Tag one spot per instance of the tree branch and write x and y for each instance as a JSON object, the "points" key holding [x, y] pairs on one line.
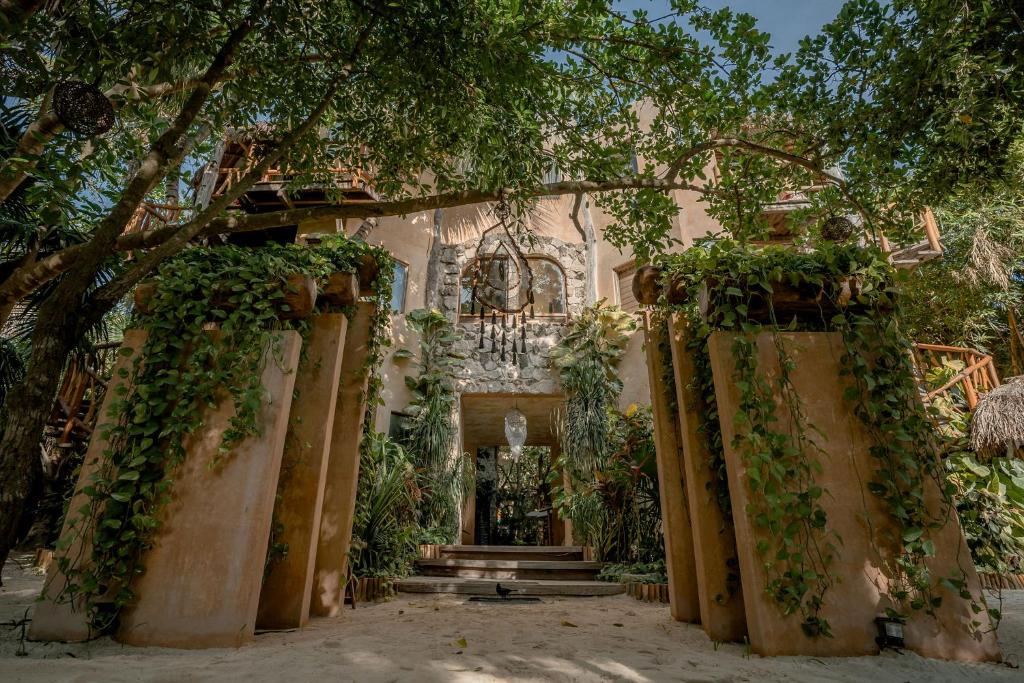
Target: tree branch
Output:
{"points": [[186, 233], [164, 151]]}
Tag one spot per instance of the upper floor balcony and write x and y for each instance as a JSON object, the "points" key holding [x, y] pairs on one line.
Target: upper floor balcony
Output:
{"points": [[281, 187]]}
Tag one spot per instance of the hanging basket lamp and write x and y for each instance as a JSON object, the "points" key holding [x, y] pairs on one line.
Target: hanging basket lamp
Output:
{"points": [[83, 108]]}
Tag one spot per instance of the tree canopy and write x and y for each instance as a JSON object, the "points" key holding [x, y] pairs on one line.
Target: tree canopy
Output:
{"points": [[461, 101]]}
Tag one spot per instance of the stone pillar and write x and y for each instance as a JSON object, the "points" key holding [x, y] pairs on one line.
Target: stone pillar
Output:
{"points": [[863, 562], [202, 582], [714, 544], [328, 595], [675, 516], [55, 618], [286, 592]]}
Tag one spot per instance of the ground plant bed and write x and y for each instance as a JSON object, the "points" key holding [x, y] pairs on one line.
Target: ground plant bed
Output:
{"points": [[648, 592]]}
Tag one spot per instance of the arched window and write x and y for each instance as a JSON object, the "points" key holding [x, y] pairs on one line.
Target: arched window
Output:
{"points": [[548, 286], [549, 297]]}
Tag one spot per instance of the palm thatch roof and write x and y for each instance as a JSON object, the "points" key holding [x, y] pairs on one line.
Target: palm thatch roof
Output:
{"points": [[998, 420]]}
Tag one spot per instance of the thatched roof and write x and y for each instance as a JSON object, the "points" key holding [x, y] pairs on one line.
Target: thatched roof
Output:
{"points": [[999, 418]]}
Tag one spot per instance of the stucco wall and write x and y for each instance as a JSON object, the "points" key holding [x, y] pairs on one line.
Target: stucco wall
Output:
{"points": [[410, 238]]}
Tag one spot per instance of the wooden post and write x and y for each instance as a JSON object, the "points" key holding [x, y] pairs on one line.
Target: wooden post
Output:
{"points": [[675, 517], [931, 230], [714, 543], [468, 526], [566, 533], [328, 597], [286, 591]]}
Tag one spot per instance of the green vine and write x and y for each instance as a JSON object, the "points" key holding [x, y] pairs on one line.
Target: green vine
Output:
{"points": [[737, 283], [180, 371]]}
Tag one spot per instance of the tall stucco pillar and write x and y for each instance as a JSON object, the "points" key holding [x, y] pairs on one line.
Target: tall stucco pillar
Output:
{"points": [[328, 594], [862, 562], [675, 515], [55, 618], [714, 544], [286, 591], [202, 581]]}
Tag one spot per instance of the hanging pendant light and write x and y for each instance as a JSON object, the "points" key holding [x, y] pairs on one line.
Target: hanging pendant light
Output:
{"points": [[515, 431]]}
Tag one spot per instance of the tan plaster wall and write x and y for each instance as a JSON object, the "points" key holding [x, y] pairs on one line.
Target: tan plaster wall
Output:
{"points": [[863, 563]]}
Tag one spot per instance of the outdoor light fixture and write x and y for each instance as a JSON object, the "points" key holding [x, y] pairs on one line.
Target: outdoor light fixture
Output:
{"points": [[890, 632], [502, 282], [515, 431]]}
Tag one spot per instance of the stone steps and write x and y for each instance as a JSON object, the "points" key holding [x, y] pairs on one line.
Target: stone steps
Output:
{"points": [[511, 552], [467, 586], [529, 570], [576, 570]]}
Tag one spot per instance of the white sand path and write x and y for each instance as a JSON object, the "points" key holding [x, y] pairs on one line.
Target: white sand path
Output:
{"points": [[417, 638]]}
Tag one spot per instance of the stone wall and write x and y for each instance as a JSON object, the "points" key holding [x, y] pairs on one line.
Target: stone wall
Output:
{"points": [[480, 371]]}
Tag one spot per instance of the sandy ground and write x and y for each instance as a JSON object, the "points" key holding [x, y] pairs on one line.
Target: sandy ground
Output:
{"points": [[419, 638]]}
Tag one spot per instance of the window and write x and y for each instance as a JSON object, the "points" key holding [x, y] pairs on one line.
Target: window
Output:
{"points": [[548, 287], [553, 174], [399, 426], [496, 283], [624, 287], [398, 287]]}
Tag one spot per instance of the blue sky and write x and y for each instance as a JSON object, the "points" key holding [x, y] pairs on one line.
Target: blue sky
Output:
{"points": [[786, 20]]}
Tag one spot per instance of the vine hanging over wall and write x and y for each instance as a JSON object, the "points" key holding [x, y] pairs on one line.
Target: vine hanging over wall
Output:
{"points": [[180, 371], [857, 296]]}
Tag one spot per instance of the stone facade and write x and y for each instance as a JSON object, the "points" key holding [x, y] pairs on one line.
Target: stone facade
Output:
{"points": [[478, 370]]}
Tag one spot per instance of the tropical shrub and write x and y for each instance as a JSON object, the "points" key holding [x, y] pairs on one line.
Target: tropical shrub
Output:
{"points": [[443, 476], [988, 491], [385, 527]]}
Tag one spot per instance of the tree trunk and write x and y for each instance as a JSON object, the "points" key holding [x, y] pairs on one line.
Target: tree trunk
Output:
{"points": [[58, 327]]}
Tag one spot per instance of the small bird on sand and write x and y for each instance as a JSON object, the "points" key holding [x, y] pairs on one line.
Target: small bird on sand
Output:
{"points": [[503, 592]]}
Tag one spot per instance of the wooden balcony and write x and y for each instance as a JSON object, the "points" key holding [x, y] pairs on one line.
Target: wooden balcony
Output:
{"points": [[977, 376], [282, 188]]}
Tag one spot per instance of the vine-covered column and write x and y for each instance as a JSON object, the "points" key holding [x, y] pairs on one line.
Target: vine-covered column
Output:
{"points": [[714, 543], [202, 581], [67, 620], [287, 588], [328, 595], [675, 515]]}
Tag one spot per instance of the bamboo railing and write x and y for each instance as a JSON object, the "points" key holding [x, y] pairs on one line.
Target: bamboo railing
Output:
{"points": [[978, 376]]}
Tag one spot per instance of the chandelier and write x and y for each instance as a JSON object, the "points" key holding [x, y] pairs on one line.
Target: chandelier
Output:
{"points": [[502, 286], [515, 431]]}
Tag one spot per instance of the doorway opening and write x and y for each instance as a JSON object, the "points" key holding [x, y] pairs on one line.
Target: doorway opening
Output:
{"points": [[514, 497]]}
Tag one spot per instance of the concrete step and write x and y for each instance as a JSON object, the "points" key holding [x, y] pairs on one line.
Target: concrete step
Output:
{"points": [[556, 570], [511, 552], [464, 586]]}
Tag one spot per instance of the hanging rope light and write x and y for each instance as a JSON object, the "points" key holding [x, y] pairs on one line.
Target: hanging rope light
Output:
{"points": [[515, 431], [502, 286]]}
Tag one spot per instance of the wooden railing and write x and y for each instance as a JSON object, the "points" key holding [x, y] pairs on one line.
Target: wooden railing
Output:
{"points": [[76, 409], [153, 215], [978, 374], [341, 177], [908, 256]]}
